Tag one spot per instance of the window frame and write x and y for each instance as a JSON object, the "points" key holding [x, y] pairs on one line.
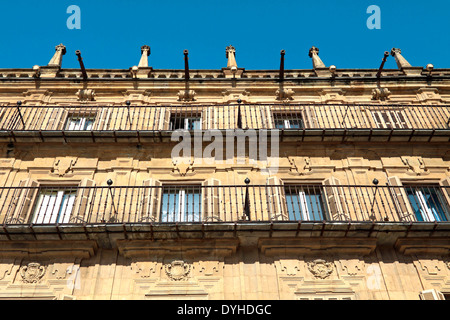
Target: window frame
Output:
{"points": [[180, 204], [394, 119], [82, 125], [176, 119], [311, 204], [420, 205], [40, 216], [287, 118]]}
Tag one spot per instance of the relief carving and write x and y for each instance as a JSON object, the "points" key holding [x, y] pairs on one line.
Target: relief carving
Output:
{"points": [[352, 267], [186, 95], [288, 267], [144, 269], [62, 270], [32, 273], [64, 165], [182, 165], [320, 268], [209, 268], [380, 94], [6, 268], [177, 270], [415, 165], [284, 94], [301, 165], [430, 266], [86, 95]]}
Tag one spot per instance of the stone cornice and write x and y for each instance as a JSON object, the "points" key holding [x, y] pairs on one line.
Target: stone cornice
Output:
{"points": [[218, 74]]}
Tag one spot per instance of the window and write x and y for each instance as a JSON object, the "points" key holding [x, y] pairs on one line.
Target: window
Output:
{"points": [[54, 205], [305, 203], [390, 119], [185, 123], [291, 121], [181, 204], [427, 203], [79, 123]]}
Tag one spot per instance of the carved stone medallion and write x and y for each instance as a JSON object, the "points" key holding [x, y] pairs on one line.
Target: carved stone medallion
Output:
{"points": [[320, 268], [32, 273], [177, 270]]}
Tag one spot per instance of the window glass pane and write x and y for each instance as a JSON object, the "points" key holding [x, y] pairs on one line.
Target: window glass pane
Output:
{"points": [[192, 205], [427, 203], [279, 124], [305, 203], [79, 123], [185, 123], [66, 207], [88, 124], [193, 124], [413, 200], [293, 206], [54, 206], [169, 205], [290, 121], [296, 124], [181, 204]]}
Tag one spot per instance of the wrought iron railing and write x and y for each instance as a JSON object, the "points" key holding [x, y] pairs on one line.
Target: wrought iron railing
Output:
{"points": [[213, 203], [206, 117]]}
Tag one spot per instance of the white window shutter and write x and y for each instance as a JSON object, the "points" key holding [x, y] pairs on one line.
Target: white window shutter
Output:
{"points": [[212, 200], [400, 198], [62, 119], [207, 119], [164, 119], [102, 119], [54, 121], [310, 119], [335, 198], [151, 201], [83, 202], [431, 294], [276, 199], [445, 183], [269, 124], [23, 201]]}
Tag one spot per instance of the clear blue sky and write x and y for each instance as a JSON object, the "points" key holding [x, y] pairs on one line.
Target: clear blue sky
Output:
{"points": [[113, 31]]}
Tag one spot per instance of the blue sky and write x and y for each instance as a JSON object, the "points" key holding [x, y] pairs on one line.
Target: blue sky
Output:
{"points": [[113, 31]]}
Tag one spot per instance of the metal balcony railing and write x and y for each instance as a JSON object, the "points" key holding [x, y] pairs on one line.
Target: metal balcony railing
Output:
{"points": [[222, 117], [211, 203]]}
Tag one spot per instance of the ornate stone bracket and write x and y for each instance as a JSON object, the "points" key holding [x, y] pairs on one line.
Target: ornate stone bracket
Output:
{"points": [[182, 165], [381, 94], [86, 95], [284, 94], [186, 95], [64, 165]]}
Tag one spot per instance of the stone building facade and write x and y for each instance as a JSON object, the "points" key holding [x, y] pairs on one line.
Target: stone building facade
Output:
{"points": [[239, 184]]}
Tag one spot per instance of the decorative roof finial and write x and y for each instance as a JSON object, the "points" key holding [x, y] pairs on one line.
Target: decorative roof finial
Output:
{"points": [[401, 62], [231, 55], [145, 52], [232, 70], [404, 65], [314, 54], [56, 61]]}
